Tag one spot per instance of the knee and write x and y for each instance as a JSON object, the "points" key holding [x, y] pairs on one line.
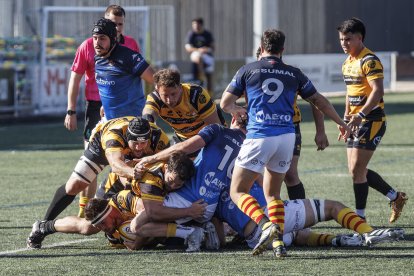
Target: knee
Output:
{"points": [[75, 186]]}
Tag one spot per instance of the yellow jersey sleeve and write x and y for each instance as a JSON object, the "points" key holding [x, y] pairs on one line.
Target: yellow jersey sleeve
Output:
{"points": [[206, 106], [126, 202], [151, 185], [153, 102], [372, 68]]}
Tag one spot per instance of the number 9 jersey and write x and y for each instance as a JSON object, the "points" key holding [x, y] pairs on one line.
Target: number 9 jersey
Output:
{"points": [[270, 87]]}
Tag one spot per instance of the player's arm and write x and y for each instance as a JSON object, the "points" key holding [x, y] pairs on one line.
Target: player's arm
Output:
{"points": [[347, 110], [228, 105], [149, 114], [73, 92], [117, 162], [188, 146], [326, 107], [190, 48], [148, 75], [321, 140], [373, 99], [156, 211]]}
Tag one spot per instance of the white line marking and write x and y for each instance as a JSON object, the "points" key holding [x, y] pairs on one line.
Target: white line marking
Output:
{"points": [[47, 246]]}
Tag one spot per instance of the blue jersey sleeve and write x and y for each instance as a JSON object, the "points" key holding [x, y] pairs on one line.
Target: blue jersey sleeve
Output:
{"points": [[209, 132], [306, 88], [237, 85], [139, 64]]}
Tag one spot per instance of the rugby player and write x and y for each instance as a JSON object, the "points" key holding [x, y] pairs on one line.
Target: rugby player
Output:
{"points": [[112, 143], [270, 87], [364, 111]]}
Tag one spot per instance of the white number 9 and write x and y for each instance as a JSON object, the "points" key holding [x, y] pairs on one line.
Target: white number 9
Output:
{"points": [[274, 93]]}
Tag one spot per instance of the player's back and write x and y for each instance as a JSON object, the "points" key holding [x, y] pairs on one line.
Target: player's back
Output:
{"points": [[214, 164]]}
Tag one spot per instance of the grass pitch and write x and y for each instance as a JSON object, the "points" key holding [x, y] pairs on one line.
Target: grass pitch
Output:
{"points": [[38, 158]]}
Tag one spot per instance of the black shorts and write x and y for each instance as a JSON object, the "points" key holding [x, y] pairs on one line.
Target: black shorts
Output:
{"points": [[369, 136], [92, 117], [95, 152], [298, 140]]}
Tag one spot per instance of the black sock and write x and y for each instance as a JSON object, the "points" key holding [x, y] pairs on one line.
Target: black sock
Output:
{"points": [[296, 192], [49, 227], [376, 182], [60, 201], [361, 195]]}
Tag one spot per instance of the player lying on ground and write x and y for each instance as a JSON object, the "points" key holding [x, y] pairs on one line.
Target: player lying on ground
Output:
{"points": [[155, 183], [301, 214]]}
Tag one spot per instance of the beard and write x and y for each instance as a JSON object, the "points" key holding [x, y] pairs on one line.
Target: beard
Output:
{"points": [[101, 51]]}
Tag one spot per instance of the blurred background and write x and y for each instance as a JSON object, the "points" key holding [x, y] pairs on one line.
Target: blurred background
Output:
{"points": [[38, 40]]}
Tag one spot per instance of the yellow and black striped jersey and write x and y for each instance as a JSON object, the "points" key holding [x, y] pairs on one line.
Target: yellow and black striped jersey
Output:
{"points": [[151, 185], [187, 118], [111, 137], [357, 73], [297, 116], [127, 203]]}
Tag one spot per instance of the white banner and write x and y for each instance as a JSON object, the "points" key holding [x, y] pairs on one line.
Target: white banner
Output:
{"points": [[325, 70]]}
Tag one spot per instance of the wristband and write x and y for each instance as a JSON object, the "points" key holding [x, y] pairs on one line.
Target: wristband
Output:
{"points": [[361, 115]]}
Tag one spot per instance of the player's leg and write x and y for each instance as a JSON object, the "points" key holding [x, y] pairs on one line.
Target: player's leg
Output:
{"points": [[358, 160], [294, 185], [92, 117]]}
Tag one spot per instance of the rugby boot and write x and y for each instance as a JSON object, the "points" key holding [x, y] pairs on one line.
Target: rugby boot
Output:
{"points": [[397, 206], [383, 235], [267, 236], [37, 235]]}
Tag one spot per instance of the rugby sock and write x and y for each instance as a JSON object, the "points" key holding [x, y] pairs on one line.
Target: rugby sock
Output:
{"points": [[49, 227], [83, 200], [180, 231], [296, 192], [361, 195], [318, 239], [60, 201], [249, 205], [376, 182], [276, 211], [349, 219]]}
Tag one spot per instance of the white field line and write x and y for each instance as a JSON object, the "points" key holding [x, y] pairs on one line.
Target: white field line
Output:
{"points": [[379, 149], [382, 174], [46, 246]]}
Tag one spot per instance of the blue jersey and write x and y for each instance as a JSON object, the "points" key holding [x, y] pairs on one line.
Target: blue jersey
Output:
{"points": [[270, 87], [119, 82], [228, 212], [214, 164]]}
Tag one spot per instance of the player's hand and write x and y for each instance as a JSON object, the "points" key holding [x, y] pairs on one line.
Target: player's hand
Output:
{"points": [[129, 245], [71, 122], [321, 140], [139, 171], [198, 209], [344, 132], [354, 124], [239, 113]]}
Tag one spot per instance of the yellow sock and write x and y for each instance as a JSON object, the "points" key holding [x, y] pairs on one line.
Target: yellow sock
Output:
{"points": [[249, 205], [276, 213], [349, 219], [318, 239], [171, 230], [83, 200]]}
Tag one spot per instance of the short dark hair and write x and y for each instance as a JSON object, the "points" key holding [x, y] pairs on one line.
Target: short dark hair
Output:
{"points": [[258, 52], [199, 20], [182, 165], [167, 78], [273, 41], [115, 10], [95, 207], [353, 25]]}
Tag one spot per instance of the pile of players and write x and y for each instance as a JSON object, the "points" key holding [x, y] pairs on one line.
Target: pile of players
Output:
{"points": [[216, 179]]}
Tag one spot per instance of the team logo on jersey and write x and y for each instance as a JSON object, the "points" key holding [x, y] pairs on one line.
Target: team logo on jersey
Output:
{"points": [[282, 164], [202, 99], [271, 118], [254, 161], [372, 64], [208, 178], [225, 196]]}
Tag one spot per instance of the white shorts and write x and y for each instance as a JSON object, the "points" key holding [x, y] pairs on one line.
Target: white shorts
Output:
{"points": [[275, 153], [207, 59], [295, 217], [86, 170], [174, 200]]}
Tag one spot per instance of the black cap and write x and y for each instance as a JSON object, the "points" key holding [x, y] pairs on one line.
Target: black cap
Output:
{"points": [[139, 129], [106, 27]]}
